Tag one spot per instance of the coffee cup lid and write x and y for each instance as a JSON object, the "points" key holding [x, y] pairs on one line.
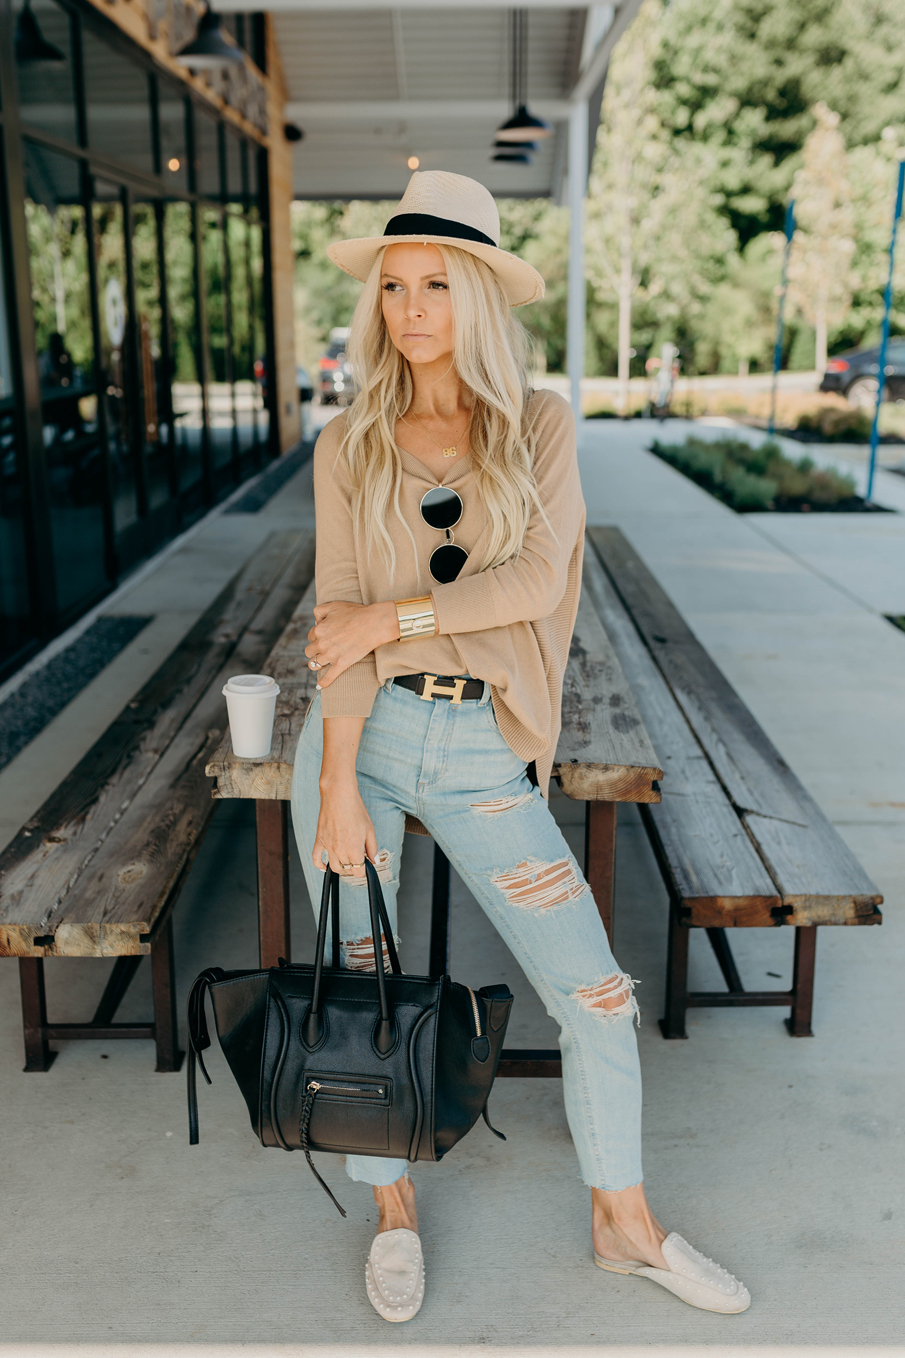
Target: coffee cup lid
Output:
{"points": [[252, 685]]}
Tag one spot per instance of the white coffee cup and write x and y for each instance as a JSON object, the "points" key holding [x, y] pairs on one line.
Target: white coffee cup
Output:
{"points": [[250, 702]]}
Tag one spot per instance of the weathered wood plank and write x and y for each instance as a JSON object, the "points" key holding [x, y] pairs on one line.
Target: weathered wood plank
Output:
{"points": [[707, 859], [122, 864], [604, 752], [270, 779], [813, 868]]}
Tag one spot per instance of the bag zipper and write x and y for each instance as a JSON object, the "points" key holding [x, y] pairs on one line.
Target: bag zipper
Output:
{"points": [[474, 1005], [373, 1090]]}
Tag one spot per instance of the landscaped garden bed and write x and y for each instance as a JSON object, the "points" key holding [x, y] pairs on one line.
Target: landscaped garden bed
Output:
{"points": [[750, 479]]}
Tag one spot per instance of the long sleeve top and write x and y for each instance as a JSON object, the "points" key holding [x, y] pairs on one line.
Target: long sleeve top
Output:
{"points": [[510, 625]]}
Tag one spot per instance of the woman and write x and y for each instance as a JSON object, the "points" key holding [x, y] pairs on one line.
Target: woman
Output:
{"points": [[442, 632]]}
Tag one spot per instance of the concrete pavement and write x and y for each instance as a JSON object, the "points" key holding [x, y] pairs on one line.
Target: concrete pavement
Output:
{"points": [[780, 1158]]}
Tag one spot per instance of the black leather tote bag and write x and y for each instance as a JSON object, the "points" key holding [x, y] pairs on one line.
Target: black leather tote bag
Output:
{"points": [[361, 1063]]}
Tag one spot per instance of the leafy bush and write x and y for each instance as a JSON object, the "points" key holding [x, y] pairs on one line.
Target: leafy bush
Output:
{"points": [[836, 425], [750, 477]]}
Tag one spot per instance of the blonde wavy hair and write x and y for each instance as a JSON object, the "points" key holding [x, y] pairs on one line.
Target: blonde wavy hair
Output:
{"points": [[492, 356]]}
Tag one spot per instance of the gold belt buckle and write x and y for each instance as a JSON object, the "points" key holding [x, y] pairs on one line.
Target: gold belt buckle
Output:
{"points": [[433, 689]]}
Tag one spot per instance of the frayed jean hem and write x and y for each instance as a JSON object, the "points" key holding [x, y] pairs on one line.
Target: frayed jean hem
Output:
{"points": [[374, 1170]]}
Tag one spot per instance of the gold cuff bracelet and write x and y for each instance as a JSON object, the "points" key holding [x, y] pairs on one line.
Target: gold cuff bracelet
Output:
{"points": [[416, 618]]}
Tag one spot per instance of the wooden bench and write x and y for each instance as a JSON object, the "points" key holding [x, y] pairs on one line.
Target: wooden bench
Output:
{"points": [[97, 870], [604, 757], [739, 841]]}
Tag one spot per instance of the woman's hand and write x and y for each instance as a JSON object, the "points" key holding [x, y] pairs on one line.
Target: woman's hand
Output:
{"points": [[345, 831], [345, 633]]}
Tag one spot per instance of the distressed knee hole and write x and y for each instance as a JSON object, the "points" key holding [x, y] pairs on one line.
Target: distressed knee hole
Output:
{"points": [[358, 954], [541, 886], [499, 804], [383, 862], [611, 997]]}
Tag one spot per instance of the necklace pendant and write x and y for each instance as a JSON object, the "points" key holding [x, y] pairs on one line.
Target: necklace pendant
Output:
{"points": [[450, 452]]}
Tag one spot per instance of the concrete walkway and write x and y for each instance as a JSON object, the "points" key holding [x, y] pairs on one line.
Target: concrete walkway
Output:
{"points": [[780, 1158]]}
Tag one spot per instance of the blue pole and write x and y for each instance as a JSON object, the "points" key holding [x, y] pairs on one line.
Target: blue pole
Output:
{"points": [[884, 339], [780, 319]]}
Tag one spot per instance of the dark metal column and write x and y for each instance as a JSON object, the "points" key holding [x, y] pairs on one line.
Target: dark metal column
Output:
{"points": [[600, 858], [799, 1021], [272, 824]]}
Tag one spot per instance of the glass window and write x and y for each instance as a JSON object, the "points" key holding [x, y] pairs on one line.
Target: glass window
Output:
{"points": [[185, 384], [173, 155], [242, 331], [46, 91], [58, 256], [259, 334], [236, 188], [154, 399], [15, 623], [219, 392], [117, 385], [117, 96], [207, 154]]}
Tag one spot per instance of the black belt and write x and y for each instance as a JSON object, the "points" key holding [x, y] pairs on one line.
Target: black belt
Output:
{"points": [[453, 687]]}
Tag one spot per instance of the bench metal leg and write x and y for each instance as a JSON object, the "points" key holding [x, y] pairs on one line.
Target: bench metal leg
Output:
{"points": [[38, 1055], [272, 824], [163, 981], [723, 953], [799, 1021], [124, 968], [600, 858], [673, 1022], [438, 965]]}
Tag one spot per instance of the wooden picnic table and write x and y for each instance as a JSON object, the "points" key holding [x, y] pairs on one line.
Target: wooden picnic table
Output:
{"points": [[604, 757]]}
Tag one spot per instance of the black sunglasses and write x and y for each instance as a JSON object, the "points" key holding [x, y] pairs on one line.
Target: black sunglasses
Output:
{"points": [[441, 508]]}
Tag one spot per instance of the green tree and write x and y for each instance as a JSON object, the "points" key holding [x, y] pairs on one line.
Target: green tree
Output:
{"points": [[820, 265], [744, 75], [621, 236]]}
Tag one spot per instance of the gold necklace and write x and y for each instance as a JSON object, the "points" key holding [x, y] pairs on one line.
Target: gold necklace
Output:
{"points": [[447, 452]]}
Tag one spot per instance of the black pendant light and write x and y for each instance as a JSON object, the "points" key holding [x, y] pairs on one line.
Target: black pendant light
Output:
{"points": [[209, 50], [29, 43], [514, 157], [523, 127]]}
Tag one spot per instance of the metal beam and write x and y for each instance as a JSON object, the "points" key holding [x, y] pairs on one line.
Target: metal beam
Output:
{"points": [[595, 70], [402, 110], [338, 6], [576, 304]]}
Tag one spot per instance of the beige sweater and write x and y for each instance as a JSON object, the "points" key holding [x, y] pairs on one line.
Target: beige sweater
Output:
{"points": [[510, 626]]}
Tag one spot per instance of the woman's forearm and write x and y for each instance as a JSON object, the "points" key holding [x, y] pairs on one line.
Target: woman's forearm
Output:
{"points": [[342, 736]]}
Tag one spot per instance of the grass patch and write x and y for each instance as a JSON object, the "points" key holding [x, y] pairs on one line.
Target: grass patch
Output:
{"points": [[748, 478], [834, 425]]}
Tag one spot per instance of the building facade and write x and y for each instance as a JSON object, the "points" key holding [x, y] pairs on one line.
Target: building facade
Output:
{"points": [[146, 355]]}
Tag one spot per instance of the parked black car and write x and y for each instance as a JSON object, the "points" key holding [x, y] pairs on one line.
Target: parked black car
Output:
{"points": [[334, 380], [854, 374]]}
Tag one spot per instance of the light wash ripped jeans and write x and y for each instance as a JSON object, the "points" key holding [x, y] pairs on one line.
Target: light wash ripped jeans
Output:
{"points": [[450, 766]]}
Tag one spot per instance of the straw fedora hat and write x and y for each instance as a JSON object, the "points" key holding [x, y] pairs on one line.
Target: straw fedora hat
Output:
{"points": [[439, 208]]}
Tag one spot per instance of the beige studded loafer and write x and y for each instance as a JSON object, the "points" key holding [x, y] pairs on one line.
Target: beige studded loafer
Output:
{"points": [[691, 1276], [394, 1274]]}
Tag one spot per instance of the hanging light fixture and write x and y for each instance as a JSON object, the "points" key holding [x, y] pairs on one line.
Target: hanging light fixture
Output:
{"points": [[209, 50], [523, 126], [29, 43]]}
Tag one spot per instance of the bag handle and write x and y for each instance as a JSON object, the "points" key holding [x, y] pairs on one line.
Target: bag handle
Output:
{"points": [[380, 923], [199, 1041]]}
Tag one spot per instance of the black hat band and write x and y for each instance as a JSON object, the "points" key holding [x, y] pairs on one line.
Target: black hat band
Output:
{"points": [[423, 224]]}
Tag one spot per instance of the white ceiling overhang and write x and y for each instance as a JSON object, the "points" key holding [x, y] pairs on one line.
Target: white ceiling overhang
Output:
{"points": [[371, 86]]}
